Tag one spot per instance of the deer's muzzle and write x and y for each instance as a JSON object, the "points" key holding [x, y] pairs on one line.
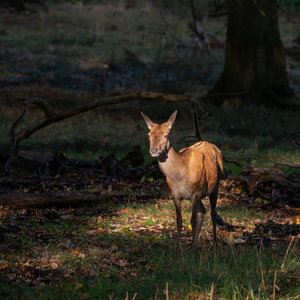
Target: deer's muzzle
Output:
{"points": [[154, 152]]}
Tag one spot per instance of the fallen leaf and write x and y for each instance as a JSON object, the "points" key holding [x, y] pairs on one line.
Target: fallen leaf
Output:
{"points": [[66, 217], [125, 211], [239, 241], [230, 239], [122, 262]]}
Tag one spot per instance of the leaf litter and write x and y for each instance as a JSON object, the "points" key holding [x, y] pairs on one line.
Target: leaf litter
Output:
{"points": [[41, 247]]}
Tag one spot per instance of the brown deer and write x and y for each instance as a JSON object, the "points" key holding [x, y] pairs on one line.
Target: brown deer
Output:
{"points": [[193, 173]]}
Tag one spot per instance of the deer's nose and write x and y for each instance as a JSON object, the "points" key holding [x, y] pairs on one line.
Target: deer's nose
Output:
{"points": [[153, 151]]}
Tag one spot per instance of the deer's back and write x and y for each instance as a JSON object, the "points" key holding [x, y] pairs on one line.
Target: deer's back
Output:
{"points": [[204, 162]]}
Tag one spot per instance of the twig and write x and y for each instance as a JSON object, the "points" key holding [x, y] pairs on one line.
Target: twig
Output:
{"points": [[233, 162], [134, 296], [211, 291], [47, 171], [205, 112], [274, 286], [287, 251], [201, 36]]}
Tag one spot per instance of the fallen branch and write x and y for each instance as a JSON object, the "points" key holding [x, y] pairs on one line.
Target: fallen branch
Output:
{"points": [[266, 175], [31, 160], [48, 200], [50, 117]]}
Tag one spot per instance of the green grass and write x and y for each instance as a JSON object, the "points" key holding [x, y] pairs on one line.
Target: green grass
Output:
{"points": [[127, 250], [101, 31], [68, 261], [264, 139]]}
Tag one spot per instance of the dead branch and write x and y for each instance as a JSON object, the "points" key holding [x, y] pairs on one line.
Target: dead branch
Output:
{"points": [[198, 30], [267, 175], [50, 117], [233, 162], [46, 164], [48, 200], [44, 105]]}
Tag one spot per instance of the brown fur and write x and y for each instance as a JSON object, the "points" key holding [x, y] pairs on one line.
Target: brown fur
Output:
{"points": [[193, 173]]}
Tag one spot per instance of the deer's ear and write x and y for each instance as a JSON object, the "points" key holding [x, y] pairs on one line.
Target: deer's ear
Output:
{"points": [[148, 121], [172, 119]]}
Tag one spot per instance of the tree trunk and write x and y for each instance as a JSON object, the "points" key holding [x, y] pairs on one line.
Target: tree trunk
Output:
{"points": [[254, 59]]}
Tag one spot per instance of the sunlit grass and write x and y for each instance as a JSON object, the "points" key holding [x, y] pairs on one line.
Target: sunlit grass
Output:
{"points": [[115, 248]]}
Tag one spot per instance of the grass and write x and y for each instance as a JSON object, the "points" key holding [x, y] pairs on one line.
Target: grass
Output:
{"points": [[119, 254], [264, 139], [99, 30], [126, 249]]}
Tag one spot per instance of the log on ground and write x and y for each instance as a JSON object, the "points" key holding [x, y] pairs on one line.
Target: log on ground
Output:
{"points": [[48, 200]]}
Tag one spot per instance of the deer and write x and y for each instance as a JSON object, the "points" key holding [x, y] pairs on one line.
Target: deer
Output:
{"points": [[192, 173]]}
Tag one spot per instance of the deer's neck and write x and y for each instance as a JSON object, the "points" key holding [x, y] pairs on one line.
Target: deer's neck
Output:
{"points": [[171, 164]]}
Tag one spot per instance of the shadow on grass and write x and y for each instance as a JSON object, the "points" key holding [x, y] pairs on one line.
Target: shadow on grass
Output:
{"points": [[89, 252]]}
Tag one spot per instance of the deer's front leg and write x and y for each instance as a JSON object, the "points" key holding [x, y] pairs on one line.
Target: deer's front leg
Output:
{"points": [[198, 213], [177, 203]]}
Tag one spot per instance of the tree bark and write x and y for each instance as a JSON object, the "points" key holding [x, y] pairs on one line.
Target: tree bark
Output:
{"points": [[255, 58]]}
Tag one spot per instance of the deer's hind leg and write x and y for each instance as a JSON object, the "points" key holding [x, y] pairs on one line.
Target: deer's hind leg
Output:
{"points": [[213, 197], [198, 214]]}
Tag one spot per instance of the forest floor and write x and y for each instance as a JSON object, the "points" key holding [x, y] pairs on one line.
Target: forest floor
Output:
{"points": [[123, 247]]}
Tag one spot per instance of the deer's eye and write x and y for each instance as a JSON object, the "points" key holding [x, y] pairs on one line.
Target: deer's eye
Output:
{"points": [[166, 136]]}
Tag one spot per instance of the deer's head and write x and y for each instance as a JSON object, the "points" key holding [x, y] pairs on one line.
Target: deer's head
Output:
{"points": [[159, 135]]}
